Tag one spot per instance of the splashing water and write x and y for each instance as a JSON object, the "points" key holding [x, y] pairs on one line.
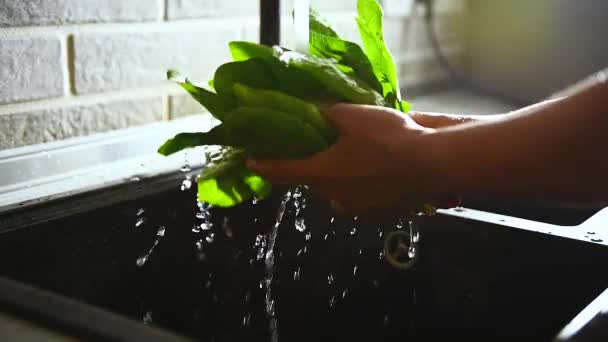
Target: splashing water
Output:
{"points": [[160, 233], [210, 238], [246, 320], [186, 184], [141, 261], [332, 301], [300, 225], [269, 263], [140, 221], [299, 203]]}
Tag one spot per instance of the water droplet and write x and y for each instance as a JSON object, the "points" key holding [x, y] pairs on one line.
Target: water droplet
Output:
{"points": [[199, 245], [597, 240], [203, 215], [376, 283], [330, 279], [296, 273], [332, 301], [141, 261], [360, 251], [161, 231], [354, 270], [325, 236], [186, 168], [385, 322], [411, 252], [186, 184], [591, 233], [381, 255], [331, 220], [308, 235], [261, 284], [416, 237], [208, 284], [140, 212], [206, 226], [196, 229], [247, 296], [210, 237], [147, 319], [139, 222], [300, 225], [215, 155], [399, 224], [344, 293], [300, 252], [270, 307], [246, 320], [380, 233]]}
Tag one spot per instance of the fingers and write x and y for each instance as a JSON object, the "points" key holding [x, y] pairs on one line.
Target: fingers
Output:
{"points": [[294, 171], [347, 118]]}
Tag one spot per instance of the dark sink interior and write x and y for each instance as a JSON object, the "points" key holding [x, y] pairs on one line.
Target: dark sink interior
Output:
{"points": [[471, 280]]}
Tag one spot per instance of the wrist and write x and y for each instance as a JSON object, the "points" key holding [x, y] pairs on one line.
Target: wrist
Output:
{"points": [[436, 178]]}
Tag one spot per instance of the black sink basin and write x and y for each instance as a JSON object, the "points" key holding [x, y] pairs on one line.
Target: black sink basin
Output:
{"points": [[142, 259]]}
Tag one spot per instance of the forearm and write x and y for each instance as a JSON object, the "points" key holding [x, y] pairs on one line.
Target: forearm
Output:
{"points": [[557, 149]]}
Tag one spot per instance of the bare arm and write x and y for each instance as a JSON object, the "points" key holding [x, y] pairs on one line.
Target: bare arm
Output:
{"points": [[387, 162], [556, 149]]}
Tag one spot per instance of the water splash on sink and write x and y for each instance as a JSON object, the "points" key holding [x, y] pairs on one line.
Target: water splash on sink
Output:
{"points": [[269, 262]]}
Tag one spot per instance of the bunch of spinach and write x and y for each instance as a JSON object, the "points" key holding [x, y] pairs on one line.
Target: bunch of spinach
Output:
{"points": [[268, 98]]}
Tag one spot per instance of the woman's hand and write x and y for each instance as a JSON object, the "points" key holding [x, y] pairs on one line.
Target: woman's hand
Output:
{"points": [[372, 170]]}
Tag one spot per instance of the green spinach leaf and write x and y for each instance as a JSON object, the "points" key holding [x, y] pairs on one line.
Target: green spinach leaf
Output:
{"points": [[371, 28], [217, 105], [181, 141]]}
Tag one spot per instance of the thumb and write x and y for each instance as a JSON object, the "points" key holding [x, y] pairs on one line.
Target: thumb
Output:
{"points": [[292, 171], [342, 115]]}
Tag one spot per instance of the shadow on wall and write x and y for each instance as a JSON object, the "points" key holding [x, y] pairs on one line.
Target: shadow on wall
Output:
{"points": [[528, 50]]}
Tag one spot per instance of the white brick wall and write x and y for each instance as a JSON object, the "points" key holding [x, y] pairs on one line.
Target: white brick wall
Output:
{"points": [[75, 67], [30, 68], [57, 12]]}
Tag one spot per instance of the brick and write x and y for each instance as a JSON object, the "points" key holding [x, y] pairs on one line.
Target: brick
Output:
{"points": [[323, 5], [54, 12], [42, 126], [184, 105], [189, 9], [30, 68], [118, 61]]}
